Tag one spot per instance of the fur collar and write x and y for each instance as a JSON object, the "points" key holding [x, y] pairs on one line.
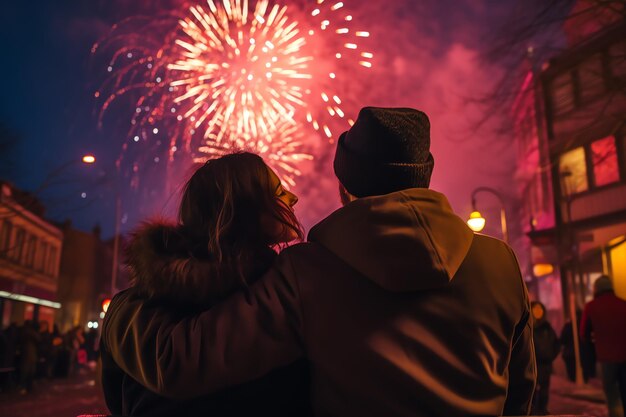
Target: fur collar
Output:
{"points": [[166, 265]]}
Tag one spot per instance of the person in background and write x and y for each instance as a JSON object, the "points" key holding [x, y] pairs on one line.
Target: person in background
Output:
{"points": [[56, 345], [568, 353], [29, 357], [604, 322], [12, 335], [45, 350], [547, 347], [4, 373], [75, 340], [91, 345]]}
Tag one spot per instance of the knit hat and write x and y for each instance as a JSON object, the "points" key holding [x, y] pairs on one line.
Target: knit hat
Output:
{"points": [[386, 150], [602, 285]]}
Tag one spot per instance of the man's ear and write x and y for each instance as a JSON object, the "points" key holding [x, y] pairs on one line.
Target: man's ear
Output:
{"points": [[345, 196]]}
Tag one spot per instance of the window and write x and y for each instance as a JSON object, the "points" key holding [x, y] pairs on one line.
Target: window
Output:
{"points": [[604, 159], [573, 171], [32, 249], [18, 247], [562, 94], [26, 248], [42, 256], [52, 260], [5, 237]]}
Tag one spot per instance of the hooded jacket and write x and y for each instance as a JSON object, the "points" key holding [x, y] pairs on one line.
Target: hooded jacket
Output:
{"points": [[172, 274], [604, 321], [400, 308], [546, 342]]}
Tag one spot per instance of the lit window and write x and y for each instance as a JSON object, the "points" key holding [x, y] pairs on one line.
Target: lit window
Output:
{"points": [[604, 158], [573, 170]]}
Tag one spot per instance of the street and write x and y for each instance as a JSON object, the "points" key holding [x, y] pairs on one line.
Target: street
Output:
{"points": [[567, 398], [81, 395], [58, 397]]}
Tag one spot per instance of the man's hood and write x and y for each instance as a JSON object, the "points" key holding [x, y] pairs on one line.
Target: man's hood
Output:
{"points": [[404, 241]]}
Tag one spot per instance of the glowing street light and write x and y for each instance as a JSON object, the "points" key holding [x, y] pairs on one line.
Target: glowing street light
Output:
{"points": [[89, 159], [541, 270], [476, 221]]}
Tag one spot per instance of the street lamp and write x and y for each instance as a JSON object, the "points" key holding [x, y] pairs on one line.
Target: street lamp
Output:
{"points": [[86, 159], [477, 222], [90, 159]]}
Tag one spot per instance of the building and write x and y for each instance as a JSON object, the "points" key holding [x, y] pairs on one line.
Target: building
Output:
{"points": [[582, 150], [536, 211], [30, 249], [85, 276]]}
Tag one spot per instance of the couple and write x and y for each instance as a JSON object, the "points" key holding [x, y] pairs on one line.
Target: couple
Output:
{"points": [[393, 307]]}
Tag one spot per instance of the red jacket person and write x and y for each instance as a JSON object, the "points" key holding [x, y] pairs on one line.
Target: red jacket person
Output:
{"points": [[400, 308]]}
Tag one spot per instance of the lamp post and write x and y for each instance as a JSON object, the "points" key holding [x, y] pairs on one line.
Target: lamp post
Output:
{"points": [[565, 177], [116, 237], [477, 222], [85, 159], [50, 179]]}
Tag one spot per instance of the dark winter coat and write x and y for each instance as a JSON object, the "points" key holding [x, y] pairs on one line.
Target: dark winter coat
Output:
{"points": [[171, 278], [605, 318], [400, 308], [29, 342], [547, 345]]}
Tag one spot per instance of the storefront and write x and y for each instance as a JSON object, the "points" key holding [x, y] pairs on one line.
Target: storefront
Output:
{"points": [[26, 304]]}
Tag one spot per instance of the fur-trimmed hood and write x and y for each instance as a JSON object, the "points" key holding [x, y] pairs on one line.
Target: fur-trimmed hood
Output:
{"points": [[167, 265]]}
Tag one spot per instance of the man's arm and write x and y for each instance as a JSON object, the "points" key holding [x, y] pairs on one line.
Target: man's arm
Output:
{"points": [[236, 341], [522, 365]]}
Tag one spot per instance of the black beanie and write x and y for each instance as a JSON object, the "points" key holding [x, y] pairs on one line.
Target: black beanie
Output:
{"points": [[386, 150]]}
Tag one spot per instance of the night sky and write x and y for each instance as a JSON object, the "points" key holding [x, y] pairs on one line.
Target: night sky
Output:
{"points": [[429, 49]]}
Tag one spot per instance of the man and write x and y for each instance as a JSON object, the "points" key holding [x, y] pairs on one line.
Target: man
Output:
{"points": [[400, 308], [604, 322]]}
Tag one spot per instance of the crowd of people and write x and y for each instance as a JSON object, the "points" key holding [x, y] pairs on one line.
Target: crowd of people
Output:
{"points": [[601, 341], [32, 351]]}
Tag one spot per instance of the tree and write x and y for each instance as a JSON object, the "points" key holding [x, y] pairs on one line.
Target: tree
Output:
{"points": [[533, 33]]}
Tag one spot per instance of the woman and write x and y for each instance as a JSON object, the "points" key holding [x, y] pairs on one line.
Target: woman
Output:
{"points": [[547, 347], [234, 210]]}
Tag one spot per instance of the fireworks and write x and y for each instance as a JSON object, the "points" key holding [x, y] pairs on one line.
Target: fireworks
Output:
{"points": [[237, 75]]}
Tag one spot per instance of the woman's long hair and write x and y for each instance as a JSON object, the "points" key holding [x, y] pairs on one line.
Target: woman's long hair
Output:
{"points": [[225, 205]]}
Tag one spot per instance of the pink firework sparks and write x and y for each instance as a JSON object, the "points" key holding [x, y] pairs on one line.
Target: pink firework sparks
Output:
{"points": [[237, 75], [282, 151]]}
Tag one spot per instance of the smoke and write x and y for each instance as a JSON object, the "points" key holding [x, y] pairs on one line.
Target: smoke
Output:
{"points": [[427, 57]]}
